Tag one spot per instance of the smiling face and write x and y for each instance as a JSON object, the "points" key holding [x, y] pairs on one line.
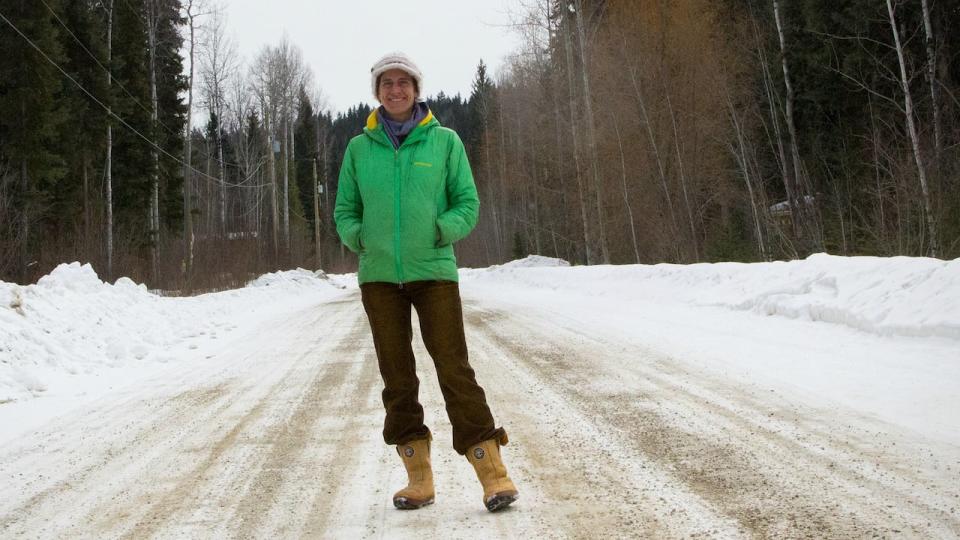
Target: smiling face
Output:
{"points": [[397, 92]]}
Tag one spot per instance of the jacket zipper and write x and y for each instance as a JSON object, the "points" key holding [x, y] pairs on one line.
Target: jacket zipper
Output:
{"points": [[396, 228]]}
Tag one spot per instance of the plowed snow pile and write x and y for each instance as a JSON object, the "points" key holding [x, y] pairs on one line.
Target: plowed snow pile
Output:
{"points": [[73, 324], [896, 296]]}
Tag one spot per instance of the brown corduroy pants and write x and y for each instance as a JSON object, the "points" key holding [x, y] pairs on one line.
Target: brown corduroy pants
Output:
{"points": [[441, 325]]}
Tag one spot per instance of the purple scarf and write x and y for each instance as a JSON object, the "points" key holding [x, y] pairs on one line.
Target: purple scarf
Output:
{"points": [[398, 131]]}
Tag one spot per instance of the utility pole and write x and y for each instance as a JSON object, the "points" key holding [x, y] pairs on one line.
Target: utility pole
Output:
{"points": [[272, 147], [316, 213]]}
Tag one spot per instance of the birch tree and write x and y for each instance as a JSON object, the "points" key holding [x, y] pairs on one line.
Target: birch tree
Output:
{"points": [[265, 82], [291, 74], [591, 128], [796, 195], [193, 9], [912, 133], [626, 197], [931, 73], [648, 126], [108, 166], [242, 119], [152, 13], [575, 134], [218, 66]]}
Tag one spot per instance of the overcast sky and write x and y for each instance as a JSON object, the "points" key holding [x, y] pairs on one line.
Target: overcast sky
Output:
{"points": [[340, 40]]}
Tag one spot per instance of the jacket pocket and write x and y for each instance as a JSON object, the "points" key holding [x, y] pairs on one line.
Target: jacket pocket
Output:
{"points": [[438, 240]]}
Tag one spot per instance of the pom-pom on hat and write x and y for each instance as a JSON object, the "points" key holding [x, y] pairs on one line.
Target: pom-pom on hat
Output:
{"points": [[395, 60]]}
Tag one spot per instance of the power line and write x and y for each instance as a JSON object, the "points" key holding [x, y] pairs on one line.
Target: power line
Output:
{"points": [[121, 120], [97, 60], [118, 83]]}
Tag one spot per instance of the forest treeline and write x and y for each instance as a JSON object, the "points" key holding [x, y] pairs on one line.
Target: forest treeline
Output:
{"points": [[134, 137], [702, 130]]}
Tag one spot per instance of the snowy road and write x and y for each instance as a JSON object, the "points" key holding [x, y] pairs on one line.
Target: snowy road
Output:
{"points": [[278, 435]]}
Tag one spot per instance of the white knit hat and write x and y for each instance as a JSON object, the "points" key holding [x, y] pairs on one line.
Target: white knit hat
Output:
{"points": [[395, 60]]}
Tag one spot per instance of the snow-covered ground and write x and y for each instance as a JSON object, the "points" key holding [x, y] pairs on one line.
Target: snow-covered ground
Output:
{"points": [[817, 397], [72, 338], [879, 335], [887, 342], [896, 296]]}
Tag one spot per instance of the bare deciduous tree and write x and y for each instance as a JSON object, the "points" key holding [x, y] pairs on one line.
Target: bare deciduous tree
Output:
{"points": [[10, 238], [912, 133], [802, 200], [932, 82], [192, 9], [266, 85], [152, 12], [108, 166], [218, 66]]}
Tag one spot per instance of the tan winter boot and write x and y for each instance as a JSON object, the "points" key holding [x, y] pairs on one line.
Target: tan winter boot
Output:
{"points": [[498, 489], [419, 490]]}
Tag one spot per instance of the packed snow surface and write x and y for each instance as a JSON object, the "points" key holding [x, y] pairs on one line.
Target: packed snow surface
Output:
{"points": [[880, 336], [814, 398], [72, 336]]}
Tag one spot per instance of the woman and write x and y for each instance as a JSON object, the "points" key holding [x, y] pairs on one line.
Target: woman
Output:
{"points": [[406, 194]]}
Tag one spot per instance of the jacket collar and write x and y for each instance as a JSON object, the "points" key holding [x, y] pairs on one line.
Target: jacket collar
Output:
{"points": [[373, 123], [374, 129]]}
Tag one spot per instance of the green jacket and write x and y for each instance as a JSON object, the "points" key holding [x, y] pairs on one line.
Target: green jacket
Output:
{"points": [[402, 210]]}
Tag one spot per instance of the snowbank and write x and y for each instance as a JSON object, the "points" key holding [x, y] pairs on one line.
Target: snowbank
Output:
{"points": [[904, 296], [71, 322]]}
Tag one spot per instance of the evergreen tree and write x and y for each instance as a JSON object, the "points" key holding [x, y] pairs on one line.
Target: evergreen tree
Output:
{"points": [[82, 135], [453, 113], [211, 132], [172, 111], [30, 117], [480, 107], [304, 154], [132, 166], [345, 127]]}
